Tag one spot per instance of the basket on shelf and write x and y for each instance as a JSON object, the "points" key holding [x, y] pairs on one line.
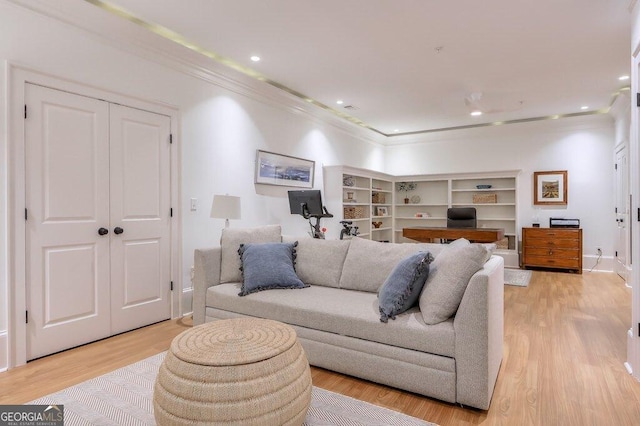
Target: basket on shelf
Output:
{"points": [[503, 244], [485, 198], [378, 197], [354, 212]]}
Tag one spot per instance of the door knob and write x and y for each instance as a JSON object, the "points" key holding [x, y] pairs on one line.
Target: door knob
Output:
{"points": [[117, 230], [103, 231]]}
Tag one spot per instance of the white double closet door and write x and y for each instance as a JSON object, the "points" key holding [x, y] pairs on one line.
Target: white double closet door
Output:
{"points": [[97, 220]]}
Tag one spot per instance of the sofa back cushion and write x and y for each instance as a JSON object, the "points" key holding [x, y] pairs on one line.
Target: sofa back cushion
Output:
{"points": [[369, 263], [319, 262], [230, 243], [449, 276]]}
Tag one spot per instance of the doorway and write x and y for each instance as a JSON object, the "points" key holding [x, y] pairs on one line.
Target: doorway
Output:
{"points": [[622, 246], [16, 341], [97, 219]]}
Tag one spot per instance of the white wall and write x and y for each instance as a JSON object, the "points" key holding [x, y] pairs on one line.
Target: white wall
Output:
{"points": [[583, 146], [220, 131]]}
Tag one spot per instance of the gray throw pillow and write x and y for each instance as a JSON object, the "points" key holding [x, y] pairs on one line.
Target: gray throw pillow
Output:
{"points": [[402, 288], [268, 266], [449, 276], [230, 243]]}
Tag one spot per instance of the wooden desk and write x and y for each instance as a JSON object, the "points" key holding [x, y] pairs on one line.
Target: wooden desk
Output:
{"points": [[480, 235]]}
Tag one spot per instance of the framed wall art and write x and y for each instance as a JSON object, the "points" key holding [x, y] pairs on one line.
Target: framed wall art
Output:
{"points": [[284, 170], [550, 188]]}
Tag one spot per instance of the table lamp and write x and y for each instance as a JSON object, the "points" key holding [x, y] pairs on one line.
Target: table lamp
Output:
{"points": [[225, 207]]}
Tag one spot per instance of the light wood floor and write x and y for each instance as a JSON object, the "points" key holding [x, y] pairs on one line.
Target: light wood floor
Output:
{"points": [[565, 345]]}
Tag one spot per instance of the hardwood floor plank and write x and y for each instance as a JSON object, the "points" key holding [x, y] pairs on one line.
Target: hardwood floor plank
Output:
{"points": [[565, 346]]}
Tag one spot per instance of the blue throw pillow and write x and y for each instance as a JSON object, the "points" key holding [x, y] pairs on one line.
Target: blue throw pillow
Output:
{"points": [[267, 266], [402, 287]]}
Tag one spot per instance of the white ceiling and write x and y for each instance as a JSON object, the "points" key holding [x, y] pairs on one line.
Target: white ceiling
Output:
{"points": [[408, 65]]}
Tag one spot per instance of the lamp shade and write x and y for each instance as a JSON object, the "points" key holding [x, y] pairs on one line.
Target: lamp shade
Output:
{"points": [[225, 207]]}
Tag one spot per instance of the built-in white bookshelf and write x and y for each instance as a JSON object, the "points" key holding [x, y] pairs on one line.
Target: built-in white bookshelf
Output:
{"points": [[380, 198], [495, 202], [364, 197]]}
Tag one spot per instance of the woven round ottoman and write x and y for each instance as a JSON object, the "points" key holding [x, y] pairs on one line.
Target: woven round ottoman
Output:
{"points": [[244, 371]]}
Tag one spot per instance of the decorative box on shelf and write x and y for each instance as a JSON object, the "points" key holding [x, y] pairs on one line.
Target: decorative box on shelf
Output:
{"points": [[354, 212], [485, 198]]}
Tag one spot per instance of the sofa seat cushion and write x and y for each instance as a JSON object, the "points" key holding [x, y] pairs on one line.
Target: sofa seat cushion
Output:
{"points": [[345, 312]]}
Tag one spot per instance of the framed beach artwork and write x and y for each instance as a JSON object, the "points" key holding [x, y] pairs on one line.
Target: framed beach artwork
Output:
{"points": [[284, 170], [550, 188]]}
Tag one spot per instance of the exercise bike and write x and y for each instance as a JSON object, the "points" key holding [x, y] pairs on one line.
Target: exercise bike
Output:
{"points": [[348, 229]]}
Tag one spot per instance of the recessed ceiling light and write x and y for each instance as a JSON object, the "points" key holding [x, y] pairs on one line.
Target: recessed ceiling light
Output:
{"points": [[623, 77], [583, 107], [396, 130], [255, 58], [339, 102], [476, 113]]}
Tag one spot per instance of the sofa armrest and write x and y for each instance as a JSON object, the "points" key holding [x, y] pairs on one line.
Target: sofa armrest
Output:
{"points": [[479, 329], [206, 265]]}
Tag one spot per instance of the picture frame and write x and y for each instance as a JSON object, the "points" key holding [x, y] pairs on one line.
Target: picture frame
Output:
{"points": [[382, 211], [283, 170], [550, 188]]}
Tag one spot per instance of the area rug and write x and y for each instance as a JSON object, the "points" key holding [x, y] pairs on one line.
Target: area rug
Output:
{"points": [[125, 397], [519, 277]]}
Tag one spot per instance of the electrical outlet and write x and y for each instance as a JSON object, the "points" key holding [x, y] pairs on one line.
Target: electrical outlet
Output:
{"points": [[599, 251]]}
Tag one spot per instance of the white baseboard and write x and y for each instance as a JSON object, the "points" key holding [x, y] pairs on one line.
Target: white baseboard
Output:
{"points": [[591, 262], [628, 367], [604, 264], [187, 301]]}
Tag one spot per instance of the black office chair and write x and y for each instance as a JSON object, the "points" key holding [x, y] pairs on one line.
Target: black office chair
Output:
{"points": [[461, 217]]}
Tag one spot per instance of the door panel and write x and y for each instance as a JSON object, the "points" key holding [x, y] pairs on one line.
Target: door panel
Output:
{"points": [[70, 162], [143, 282], [67, 196], [142, 163], [69, 270], [140, 204]]}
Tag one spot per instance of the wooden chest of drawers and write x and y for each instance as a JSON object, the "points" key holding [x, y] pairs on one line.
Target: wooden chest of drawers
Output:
{"points": [[552, 248]]}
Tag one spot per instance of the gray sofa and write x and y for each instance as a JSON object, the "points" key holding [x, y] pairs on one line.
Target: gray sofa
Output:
{"points": [[338, 321]]}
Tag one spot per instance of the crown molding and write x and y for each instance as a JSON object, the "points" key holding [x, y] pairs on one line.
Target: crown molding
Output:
{"points": [[94, 18], [126, 36]]}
